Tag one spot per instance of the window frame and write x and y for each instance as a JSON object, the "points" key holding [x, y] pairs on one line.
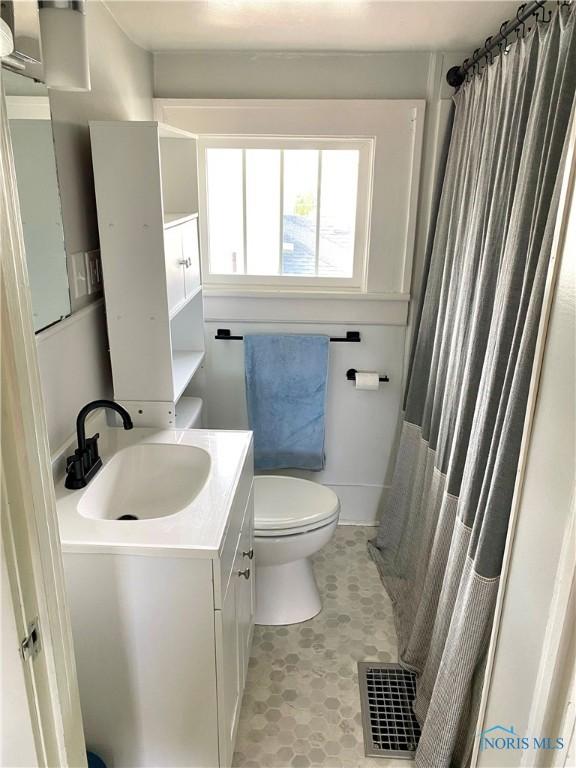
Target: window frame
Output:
{"points": [[355, 283]]}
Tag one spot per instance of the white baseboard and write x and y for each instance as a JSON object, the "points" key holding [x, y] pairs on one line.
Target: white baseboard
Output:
{"points": [[359, 504]]}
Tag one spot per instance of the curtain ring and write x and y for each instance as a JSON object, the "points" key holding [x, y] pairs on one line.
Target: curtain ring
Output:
{"points": [[476, 61], [505, 37], [488, 55], [518, 12], [545, 12]]}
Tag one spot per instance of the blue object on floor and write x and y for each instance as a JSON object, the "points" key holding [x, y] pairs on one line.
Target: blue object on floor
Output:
{"points": [[94, 761], [286, 376]]}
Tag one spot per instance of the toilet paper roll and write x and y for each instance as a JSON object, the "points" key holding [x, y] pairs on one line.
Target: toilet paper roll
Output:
{"points": [[367, 380]]}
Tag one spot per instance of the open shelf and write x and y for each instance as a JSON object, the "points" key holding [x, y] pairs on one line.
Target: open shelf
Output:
{"points": [[185, 363], [179, 307]]}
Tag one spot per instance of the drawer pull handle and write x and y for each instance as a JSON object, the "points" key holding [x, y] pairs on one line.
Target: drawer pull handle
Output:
{"points": [[249, 554], [245, 573]]}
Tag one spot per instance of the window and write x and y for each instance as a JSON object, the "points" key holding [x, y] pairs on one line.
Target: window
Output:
{"points": [[292, 211]]}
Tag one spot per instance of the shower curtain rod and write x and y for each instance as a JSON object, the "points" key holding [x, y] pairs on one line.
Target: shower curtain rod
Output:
{"points": [[457, 75]]}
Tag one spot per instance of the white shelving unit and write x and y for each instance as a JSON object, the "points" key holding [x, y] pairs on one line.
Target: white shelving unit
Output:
{"points": [[147, 199], [184, 365]]}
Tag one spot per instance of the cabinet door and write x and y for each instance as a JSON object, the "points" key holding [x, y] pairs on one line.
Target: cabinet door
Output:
{"points": [[191, 254], [228, 672], [246, 592], [174, 266], [234, 624]]}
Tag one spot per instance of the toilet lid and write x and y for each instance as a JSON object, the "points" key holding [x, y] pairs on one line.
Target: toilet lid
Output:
{"points": [[286, 503]]}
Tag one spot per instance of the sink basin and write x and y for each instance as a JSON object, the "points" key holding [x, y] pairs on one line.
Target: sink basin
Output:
{"points": [[146, 481]]}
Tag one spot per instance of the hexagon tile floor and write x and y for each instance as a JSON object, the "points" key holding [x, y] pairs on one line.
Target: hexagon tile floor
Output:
{"points": [[301, 706]]}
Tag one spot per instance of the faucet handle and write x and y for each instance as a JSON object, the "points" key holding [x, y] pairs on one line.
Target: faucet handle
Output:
{"points": [[92, 445], [74, 468], [91, 456]]}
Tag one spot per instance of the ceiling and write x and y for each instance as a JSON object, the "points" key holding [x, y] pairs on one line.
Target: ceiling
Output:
{"points": [[304, 25]]}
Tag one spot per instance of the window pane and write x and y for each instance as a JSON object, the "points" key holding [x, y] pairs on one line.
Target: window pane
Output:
{"points": [[263, 211], [299, 219], [338, 212], [225, 211]]}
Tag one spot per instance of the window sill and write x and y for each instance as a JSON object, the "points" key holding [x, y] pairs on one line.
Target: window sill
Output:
{"points": [[266, 305], [267, 292]]}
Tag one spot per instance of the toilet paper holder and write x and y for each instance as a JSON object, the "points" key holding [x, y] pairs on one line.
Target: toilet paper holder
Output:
{"points": [[351, 375]]}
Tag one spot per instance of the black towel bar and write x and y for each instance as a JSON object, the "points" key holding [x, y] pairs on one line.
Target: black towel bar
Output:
{"points": [[351, 375], [224, 334]]}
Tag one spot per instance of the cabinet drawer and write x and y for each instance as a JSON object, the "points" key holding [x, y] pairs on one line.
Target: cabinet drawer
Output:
{"points": [[224, 566]]}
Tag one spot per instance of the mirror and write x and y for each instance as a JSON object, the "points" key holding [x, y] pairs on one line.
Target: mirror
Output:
{"points": [[33, 145]]}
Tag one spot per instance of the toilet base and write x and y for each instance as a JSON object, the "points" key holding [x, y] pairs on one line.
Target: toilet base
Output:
{"points": [[286, 593]]}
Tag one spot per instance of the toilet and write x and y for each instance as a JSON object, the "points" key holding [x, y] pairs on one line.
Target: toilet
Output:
{"points": [[293, 519]]}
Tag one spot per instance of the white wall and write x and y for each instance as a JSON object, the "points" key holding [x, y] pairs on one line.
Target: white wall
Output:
{"points": [[74, 368], [74, 362], [307, 75], [361, 426], [545, 507]]}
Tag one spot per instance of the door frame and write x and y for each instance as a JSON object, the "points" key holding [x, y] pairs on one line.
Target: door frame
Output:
{"points": [[30, 536]]}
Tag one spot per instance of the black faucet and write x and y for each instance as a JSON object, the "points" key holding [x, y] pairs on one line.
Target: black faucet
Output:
{"points": [[85, 461]]}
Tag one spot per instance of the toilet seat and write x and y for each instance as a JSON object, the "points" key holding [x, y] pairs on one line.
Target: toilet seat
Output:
{"points": [[287, 506]]}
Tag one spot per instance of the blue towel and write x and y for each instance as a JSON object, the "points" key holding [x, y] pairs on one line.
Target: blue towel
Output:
{"points": [[286, 379]]}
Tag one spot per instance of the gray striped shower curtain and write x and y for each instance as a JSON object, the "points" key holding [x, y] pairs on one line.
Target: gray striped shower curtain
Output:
{"points": [[441, 540]]}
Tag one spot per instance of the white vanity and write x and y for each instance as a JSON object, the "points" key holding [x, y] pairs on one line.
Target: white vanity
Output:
{"points": [[162, 606]]}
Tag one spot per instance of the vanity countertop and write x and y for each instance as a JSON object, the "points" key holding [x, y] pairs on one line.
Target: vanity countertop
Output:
{"points": [[198, 530]]}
